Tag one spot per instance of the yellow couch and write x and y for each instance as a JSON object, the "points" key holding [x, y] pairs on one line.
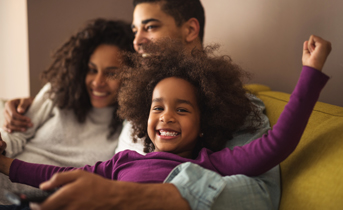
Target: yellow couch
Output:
{"points": [[312, 176]]}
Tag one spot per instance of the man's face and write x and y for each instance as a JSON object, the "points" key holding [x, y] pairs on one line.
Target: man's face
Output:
{"points": [[150, 23]]}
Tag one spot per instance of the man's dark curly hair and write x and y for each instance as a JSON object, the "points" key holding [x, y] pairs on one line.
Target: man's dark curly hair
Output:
{"points": [[69, 68], [181, 11], [224, 104]]}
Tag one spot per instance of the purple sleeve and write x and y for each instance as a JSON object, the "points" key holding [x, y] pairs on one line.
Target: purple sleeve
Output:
{"points": [[271, 149], [34, 174]]}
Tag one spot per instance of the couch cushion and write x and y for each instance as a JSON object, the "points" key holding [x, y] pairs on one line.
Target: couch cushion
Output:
{"points": [[312, 175]]}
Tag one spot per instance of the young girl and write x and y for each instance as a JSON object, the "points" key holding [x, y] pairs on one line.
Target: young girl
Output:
{"points": [[74, 115], [183, 106]]}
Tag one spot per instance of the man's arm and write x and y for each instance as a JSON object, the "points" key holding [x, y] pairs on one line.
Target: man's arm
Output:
{"points": [[205, 189], [13, 115], [84, 190]]}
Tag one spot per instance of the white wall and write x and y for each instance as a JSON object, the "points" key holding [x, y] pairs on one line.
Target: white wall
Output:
{"points": [[266, 37], [14, 61]]}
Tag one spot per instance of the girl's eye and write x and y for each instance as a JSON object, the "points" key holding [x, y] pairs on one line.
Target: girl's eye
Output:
{"points": [[182, 110], [157, 109]]}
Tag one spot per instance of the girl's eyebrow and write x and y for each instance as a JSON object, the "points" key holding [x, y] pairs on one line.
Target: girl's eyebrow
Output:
{"points": [[178, 101], [181, 101], [157, 99]]}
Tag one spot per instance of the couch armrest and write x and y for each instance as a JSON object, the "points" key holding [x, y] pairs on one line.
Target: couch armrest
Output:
{"points": [[312, 175]]}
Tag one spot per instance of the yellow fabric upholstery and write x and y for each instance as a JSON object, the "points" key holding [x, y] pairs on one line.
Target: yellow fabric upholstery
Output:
{"points": [[312, 176]]}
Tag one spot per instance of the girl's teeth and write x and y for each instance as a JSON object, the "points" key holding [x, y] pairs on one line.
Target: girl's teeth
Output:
{"points": [[99, 93], [165, 133]]}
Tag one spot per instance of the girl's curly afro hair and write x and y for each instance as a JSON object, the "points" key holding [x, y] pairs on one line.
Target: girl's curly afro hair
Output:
{"points": [[224, 105]]}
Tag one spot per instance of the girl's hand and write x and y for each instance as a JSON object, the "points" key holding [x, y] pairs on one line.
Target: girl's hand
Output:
{"points": [[315, 52], [5, 163], [2, 145]]}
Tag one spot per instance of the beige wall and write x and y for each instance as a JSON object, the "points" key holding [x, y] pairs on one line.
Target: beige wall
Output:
{"points": [[51, 22], [14, 71], [263, 36], [266, 38]]}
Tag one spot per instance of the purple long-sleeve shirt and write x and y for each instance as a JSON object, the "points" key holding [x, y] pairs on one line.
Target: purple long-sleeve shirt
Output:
{"points": [[252, 159]]}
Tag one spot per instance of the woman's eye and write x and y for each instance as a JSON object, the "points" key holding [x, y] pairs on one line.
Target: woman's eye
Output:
{"points": [[92, 71], [110, 74]]}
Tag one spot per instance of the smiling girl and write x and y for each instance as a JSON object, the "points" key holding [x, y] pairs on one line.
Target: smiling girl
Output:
{"points": [[183, 106]]}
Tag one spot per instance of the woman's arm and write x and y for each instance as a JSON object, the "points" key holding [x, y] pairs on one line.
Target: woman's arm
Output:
{"points": [[39, 112]]}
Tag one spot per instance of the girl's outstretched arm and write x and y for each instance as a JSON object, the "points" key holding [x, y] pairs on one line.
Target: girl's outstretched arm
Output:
{"points": [[269, 150], [315, 52], [5, 163]]}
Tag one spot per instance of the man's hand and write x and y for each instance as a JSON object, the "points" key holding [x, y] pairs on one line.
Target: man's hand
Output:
{"points": [[84, 190], [315, 52], [81, 190], [14, 119]]}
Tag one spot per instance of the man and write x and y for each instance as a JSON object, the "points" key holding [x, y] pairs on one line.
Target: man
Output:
{"points": [[192, 186]]}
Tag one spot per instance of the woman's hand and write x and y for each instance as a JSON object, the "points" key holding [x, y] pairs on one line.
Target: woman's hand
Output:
{"points": [[13, 113], [315, 52]]}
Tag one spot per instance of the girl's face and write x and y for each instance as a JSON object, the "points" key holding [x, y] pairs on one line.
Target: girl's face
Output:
{"points": [[103, 63], [174, 119]]}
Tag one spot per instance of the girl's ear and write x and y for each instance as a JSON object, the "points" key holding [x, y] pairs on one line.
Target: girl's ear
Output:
{"points": [[191, 29]]}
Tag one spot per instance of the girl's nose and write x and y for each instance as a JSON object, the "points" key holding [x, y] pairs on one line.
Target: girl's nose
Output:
{"points": [[167, 118]]}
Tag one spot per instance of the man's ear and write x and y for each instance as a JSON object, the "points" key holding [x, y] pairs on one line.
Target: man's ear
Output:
{"points": [[191, 29]]}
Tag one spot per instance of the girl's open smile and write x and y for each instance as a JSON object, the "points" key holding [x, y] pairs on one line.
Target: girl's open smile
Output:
{"points": [[167, 134]]}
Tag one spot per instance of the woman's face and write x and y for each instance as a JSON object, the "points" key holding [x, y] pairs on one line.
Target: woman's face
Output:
{"points": [[103, 64]]}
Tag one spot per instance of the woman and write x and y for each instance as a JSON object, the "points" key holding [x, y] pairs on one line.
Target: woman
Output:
{"points": [[75, 112]]}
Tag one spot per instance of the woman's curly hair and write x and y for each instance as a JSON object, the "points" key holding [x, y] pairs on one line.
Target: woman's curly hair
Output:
{"points": [[69, 68], [224, 104]]}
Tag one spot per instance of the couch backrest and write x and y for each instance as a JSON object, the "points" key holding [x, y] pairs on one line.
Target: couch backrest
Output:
{"points": [[312, 176]]}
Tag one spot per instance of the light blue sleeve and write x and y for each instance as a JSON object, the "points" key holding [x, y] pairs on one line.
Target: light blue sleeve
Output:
{"points": [[205, 189]]}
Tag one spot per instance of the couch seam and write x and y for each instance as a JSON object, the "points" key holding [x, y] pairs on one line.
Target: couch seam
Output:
{"points": [[313, 109]]}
